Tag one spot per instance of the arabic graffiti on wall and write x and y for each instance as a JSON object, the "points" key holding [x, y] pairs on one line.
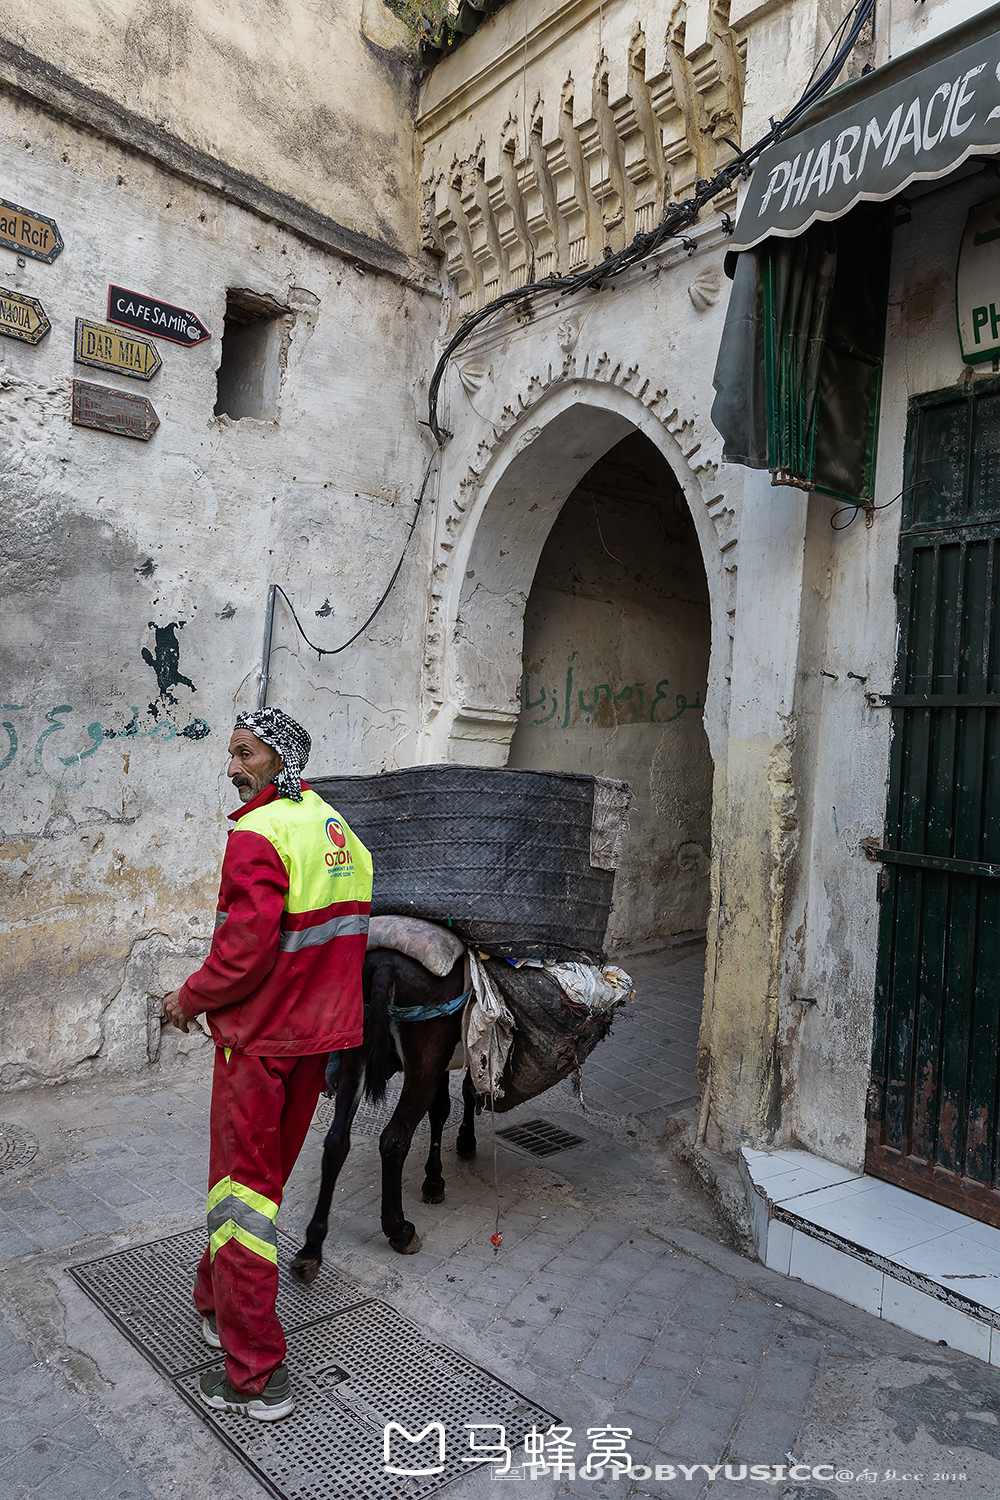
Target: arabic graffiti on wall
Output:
{"points": [[601, 705], [164, 660], [98, 734]]}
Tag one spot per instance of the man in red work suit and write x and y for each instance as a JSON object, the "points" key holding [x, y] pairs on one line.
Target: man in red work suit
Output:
{"points": [[281, 988]]}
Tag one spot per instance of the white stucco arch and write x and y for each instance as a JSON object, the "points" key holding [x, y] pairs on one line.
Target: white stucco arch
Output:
{"points": [[491, 534]]}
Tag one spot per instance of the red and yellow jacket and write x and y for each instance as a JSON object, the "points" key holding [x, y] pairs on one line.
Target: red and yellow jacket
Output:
{"points": [[283, 978]]}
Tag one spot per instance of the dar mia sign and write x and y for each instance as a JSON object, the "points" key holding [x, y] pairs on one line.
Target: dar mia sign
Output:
{"points": [[978, 285]]}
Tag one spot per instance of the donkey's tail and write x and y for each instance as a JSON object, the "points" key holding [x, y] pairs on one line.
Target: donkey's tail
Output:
{"points": [[381, 1061]]}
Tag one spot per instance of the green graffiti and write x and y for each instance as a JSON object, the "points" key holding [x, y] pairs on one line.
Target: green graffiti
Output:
{"points": [[163, 730], [56, 728], [632, 695], [11, 734]]}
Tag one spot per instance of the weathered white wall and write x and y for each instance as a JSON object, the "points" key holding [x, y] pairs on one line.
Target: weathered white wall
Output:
{"points": [[531, 407], [306, 96], [113, 834], [615, 658]]}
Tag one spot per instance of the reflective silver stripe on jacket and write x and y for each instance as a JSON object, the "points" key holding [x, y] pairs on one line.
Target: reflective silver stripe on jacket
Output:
{"points": [[313, 937], [220, 917]]}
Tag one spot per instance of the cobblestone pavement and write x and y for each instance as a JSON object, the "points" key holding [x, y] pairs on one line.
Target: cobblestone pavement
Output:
{"points": [[613, 1301]]}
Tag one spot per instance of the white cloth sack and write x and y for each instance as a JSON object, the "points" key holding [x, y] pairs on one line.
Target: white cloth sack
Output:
{"points": [[488, 1031]]}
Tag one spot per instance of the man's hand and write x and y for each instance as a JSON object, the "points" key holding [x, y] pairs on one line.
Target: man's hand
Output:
{"points": [[173, 1012]]}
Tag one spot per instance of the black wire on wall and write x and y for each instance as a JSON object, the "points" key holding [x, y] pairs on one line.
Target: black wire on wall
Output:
{"points": [[678, 217]]}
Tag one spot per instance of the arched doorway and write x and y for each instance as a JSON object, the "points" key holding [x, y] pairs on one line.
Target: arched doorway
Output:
{"points": [[617, 637], [499, 499]]}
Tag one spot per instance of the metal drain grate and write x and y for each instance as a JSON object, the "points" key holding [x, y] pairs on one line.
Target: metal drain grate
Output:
{"points": [[17, 1147], [354, 1369], [146, 1291], [540, 1138]]}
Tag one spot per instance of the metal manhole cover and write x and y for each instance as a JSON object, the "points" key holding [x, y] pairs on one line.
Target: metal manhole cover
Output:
{"points": [[356, 1371], [17, 1147], [146, 1291], [540, 1138], [371, 1119]]}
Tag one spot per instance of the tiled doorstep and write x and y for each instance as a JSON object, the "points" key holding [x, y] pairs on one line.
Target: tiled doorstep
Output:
{"points": [[901, 1257]]}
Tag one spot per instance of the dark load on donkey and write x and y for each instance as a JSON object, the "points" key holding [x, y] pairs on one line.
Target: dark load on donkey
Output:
{"points": [[518, 863]]}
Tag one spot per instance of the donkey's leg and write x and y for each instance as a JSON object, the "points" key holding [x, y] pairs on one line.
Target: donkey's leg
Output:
{"points": [[427, 1047], [305, 1266], [433, 1186], [465, 1145]]}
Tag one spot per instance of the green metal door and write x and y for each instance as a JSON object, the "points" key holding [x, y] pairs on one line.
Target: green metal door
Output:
{"points": [[933, 1106]]}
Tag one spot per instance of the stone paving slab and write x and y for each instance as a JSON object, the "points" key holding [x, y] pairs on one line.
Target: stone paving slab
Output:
{"points": [[613, 1301]]}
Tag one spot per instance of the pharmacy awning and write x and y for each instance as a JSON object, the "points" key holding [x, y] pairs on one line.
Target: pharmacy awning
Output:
{"points": [[916, 118]]}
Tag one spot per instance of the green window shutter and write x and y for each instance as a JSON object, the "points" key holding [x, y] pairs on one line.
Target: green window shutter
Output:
{"points": [[799, 373], [799, 279]]}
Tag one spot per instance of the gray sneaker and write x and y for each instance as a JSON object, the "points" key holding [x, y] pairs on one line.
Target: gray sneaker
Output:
{"points": [[274, 1402], [210, 1331]]}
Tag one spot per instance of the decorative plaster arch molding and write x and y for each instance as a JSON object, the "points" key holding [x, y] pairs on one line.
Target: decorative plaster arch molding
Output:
{"points": [[493, 522]]}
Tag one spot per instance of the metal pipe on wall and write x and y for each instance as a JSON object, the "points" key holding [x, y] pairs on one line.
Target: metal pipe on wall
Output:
{"points": [[266, 653]]}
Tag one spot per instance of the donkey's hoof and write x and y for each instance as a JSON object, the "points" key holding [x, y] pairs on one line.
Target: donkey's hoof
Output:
{"points": [[465, 1149], [432, 1194], [304, 1269], [407, 1246]]}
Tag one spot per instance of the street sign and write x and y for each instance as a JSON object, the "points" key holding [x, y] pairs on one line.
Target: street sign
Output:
{"points": [[22, 318], [107, 349], [113, 411], [977, 286], [148, 315], [28, 233]]}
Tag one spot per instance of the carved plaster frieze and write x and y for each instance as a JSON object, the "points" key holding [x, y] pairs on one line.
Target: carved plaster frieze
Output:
{"points": [[705, 288], [575, 139], [599, 368]]}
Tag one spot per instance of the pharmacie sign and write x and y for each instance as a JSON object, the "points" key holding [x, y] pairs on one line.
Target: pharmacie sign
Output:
{"points": [[916, 118]]}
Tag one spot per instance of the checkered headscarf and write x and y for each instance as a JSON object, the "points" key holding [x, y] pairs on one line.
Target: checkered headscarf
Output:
{"points": [[282, 733]]}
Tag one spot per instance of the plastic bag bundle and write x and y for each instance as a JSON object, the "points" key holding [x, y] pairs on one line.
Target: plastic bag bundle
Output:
{"points": [[552, 1032], [586, 984]]}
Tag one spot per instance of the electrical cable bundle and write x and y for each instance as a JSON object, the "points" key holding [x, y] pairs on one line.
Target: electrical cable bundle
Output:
{"points": [[677, 217]]}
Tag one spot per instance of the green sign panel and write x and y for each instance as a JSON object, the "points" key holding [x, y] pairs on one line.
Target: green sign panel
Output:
{"points": [[22, 318], [977, 286], [110, 349]]}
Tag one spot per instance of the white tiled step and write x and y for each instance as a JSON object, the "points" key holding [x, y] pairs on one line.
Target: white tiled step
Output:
{"points": [[799, 1203]]}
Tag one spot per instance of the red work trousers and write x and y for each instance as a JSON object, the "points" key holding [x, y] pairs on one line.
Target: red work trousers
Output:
{"points": [[261, 1111]]}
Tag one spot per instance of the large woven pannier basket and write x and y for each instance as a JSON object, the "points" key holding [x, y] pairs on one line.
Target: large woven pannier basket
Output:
{"points": [[519, 863]]}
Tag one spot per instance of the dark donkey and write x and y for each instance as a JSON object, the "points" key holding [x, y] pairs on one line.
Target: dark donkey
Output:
{"points": [[390, 978]]}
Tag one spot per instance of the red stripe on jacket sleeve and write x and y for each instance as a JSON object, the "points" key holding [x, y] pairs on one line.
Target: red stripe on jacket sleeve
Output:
{"points": [[297, 921], [244, 949]]}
